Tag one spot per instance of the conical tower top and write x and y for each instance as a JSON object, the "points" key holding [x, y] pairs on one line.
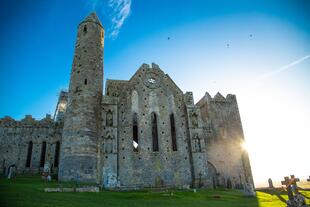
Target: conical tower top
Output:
{"points": [[92, 18]]}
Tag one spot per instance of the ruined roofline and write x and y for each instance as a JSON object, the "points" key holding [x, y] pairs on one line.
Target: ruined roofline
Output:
{"points": [[144, 66], [27, 121], [154, 66], [218, 97]]}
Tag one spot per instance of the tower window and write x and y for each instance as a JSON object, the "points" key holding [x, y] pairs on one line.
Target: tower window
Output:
{"points": [[57, 150], [43, 151], [29, 154], [85, 81], [135, 141], [173, 134], [85, 28], [154, 132]]}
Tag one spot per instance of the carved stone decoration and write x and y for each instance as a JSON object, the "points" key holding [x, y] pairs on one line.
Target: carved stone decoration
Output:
{"points": [[189, 100], [109, 143], [197, 144], [113, 90], [152, 80], [108, 146], [109, 118], [194, 119]]}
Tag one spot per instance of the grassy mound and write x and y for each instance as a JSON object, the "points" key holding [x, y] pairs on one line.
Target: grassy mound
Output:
{"points": [[28, 191]]}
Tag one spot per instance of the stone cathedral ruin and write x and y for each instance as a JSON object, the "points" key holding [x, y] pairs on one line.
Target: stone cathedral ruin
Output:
{"points": [[141, 132]]}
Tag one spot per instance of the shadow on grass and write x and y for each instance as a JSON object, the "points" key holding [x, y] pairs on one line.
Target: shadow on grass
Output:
{"points": [[276, 192], [305, 195]]}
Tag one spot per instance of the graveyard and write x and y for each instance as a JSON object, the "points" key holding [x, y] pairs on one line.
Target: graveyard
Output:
{"points": [[29, 191]]}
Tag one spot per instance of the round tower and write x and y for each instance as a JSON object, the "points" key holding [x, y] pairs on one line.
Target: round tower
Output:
{"points": [[79, 150]]}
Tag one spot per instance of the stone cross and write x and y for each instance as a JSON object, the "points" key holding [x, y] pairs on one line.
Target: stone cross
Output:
{"points": [[287, 183], [294, 183], [270, 183]]}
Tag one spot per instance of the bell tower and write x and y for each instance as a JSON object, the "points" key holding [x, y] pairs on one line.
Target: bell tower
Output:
{"points": [[79, 147]]}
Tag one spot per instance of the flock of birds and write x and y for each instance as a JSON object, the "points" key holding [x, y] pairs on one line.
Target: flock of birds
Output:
{"points": [[227, 45]]}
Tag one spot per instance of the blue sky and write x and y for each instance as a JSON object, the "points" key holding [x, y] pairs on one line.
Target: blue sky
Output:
{"points": [[258, 50]]}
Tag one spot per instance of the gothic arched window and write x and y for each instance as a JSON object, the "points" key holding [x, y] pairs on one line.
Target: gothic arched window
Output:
{"points": [[43, 152], [29, 154], [109, 118], [135, 141], [154, 132], [173, 134], [57, 150]]}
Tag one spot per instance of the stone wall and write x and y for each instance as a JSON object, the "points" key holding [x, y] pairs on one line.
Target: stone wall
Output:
{"points": [[224, 139], [108, 142], [15, 137], [198, 156], [147, 94]]}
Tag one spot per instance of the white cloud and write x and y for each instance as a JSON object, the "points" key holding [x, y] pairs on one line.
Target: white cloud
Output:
{"points": [[284, 68], [117, 11]]}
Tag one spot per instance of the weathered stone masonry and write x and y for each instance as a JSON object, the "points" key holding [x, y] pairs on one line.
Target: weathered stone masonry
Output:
{"points": [[142, 132], [17, 137]]}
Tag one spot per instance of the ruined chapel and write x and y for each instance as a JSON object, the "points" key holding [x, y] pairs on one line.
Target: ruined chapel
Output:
{"points": [[142, 132]]}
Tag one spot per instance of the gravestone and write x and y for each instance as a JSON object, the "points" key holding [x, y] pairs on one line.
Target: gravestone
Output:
{"points": [[296, 199], [46, 174], [270, 183], [12, 172], [294, 184], [287, 183]]}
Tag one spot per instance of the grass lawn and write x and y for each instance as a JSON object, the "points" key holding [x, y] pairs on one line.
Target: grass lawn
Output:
{"points": [[28, 191]]}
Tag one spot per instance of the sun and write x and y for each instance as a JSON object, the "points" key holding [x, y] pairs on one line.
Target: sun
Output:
{"points": [[245, 146]]}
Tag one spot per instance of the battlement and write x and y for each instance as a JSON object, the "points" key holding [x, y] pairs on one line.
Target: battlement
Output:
{"points": [[27, 122], [218, 98]]}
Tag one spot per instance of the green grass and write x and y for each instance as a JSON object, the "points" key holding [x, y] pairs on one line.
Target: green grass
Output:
{"points": [[28, 191]]}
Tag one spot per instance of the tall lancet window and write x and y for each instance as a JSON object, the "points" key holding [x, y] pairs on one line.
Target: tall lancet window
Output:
{"points": [[29, 154], [154, 132], [43, 152], [135, 139], [57, 152], [173, 134]]}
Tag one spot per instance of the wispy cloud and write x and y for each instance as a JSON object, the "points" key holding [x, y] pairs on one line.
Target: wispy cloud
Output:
{"points": [[283, 68], [121, 12], [117, 11]]}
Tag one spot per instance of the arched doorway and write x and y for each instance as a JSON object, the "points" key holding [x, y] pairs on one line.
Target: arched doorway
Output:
{"points": [[212, 174]]}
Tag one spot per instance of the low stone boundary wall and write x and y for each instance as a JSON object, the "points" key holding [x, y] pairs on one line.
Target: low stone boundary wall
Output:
{"points": [[82, 189]]}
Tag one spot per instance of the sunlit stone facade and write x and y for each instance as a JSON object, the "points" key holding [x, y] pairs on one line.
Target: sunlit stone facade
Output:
{"points": [[141, 132]]}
